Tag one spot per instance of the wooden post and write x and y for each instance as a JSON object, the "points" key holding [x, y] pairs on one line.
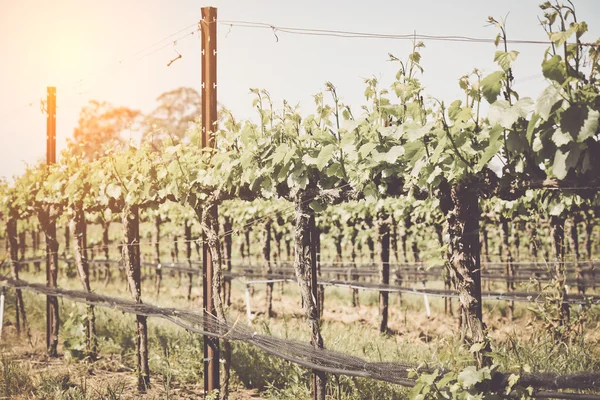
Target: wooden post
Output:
{"points": [[51, 126], [51, 240], [208, 28]]}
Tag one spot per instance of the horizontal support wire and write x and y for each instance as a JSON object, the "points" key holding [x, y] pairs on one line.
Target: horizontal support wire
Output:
{"points": [[280, 276], [305, 354]]}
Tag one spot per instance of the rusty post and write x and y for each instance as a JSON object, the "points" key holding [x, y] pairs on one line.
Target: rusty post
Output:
{"points": [[208, 28], [314, 286], [51, 271]]}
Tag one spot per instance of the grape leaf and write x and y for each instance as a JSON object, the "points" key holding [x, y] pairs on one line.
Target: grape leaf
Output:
{"points": [[554, 69], [325, 156], [505, 115], [544, 104], [493, 147], [491, 86]]}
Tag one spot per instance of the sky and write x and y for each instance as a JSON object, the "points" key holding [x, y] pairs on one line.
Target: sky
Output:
{"points": [[118, 51]]}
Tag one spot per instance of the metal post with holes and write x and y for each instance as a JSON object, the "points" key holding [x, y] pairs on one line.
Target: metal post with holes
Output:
{"points": [[208, 28], [314, 286], [51, 267]]}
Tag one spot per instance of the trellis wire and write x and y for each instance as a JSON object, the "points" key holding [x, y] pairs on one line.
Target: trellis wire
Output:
{"points": [[305, 354]]}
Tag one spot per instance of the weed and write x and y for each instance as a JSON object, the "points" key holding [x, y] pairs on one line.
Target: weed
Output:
{"points": [[14, 380]]}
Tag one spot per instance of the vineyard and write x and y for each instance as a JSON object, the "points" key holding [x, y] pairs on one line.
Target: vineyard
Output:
{"points": [[351, 253]]}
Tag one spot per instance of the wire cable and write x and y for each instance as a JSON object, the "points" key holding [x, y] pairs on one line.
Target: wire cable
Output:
{"points": [[372, 35]]}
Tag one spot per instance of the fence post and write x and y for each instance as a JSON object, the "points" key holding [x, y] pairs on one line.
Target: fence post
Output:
{"points": [[318, 378], [51, 240], [208, 28]]}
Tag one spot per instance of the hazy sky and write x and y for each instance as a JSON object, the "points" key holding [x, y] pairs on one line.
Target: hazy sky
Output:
{"points": [[93, 50]]}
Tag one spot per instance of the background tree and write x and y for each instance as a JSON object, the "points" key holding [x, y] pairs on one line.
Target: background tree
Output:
{"points": [[177, 109], [101, 122]]}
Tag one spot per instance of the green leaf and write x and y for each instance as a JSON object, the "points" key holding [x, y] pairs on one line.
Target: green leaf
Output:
{"points": [[580, 122], [516, 141], [531, 126], [559, 166], [418, 165], [561, 138], [505, 115], [464, 115], [317, 206], [544, 104], [590, 126], [412, 150], [335, 169], [279, 154], [476, 347], [418, 132], [560, 37], [513, 379], [554, 69], [505, 59], [393, 154], [442, 143], [469, 377], [449, 377], [491, 86], [493, 147], [325, 156], [366, 149], [454, 109], [113, 190], [370, 192], [557, 209]]}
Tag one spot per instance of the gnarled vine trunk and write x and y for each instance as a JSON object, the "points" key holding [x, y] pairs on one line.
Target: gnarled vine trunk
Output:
{"points": [[67, 239], [156, 249], [486, 243], [22, 245], [486, 255], [305, 268], [557, 227], [79, 228], [13, 244], [228, 228], [383, 230], [439, 230], [105, 244], [266, 245], [508, 266], [210, 227], [517, 240], [370, 241], [533, 246], [316, 240], [187, 225], [404, 239], [247, 232], [589, 229], [394, 240], [463, 229], [353, 238], [47, 219], [131, 255], [574, 242], [35, 238], [288, 249]]}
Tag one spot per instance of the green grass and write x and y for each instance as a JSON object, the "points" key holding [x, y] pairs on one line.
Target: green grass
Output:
{"points": [[176, 355]]}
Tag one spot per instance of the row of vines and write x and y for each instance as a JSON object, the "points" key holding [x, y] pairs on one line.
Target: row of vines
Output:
{"points": [[405, 158]]}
